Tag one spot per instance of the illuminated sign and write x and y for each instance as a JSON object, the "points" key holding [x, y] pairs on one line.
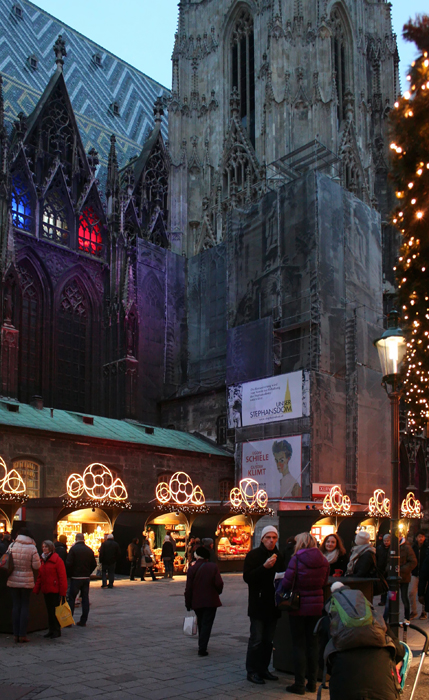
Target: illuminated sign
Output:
{"points": [[379, 505], [248, 495], [181, 491], [98, 483], [336, 503], [411, 507], [12, 485]]}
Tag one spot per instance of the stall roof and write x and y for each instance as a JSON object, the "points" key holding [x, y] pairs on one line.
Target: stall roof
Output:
{"points": [[20, 415]]}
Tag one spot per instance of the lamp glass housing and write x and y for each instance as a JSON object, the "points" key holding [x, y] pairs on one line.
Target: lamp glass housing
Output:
{"points": [[391, 349]]}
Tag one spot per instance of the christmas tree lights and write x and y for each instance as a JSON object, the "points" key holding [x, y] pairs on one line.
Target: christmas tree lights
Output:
{"points": [[410, 172]]}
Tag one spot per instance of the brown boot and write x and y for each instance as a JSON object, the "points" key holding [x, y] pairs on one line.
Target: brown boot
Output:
{"points": [[24, 640]]}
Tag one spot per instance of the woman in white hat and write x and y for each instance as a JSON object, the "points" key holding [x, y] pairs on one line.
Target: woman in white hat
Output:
{"points": [[362, 562]]}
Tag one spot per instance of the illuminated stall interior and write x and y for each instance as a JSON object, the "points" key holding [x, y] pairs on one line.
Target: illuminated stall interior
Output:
{"points": [[158, 526], [4, 522], [323, 527], [234, 537], [92, 522]]}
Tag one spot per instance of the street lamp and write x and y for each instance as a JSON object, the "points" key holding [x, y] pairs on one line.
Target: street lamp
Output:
{"points": [[391, 348]]}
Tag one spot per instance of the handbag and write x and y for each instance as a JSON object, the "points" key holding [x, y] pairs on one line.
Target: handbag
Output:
{"points": [[64, 614], [190, 626], [148, 560], [288, 600], [6, 562]]}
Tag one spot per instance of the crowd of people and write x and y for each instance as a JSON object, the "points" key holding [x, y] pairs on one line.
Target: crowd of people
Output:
{"points": [[303, 569]]}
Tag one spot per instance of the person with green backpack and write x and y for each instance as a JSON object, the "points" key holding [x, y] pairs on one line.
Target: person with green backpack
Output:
{"points": [[362, 657]]}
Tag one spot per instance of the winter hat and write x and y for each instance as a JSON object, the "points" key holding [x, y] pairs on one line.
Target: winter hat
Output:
{"points": [[362, 537], [386, 537], [62, 539], [207, 541], [268, 529], [202, 553], [336, 586], [110, 537]]}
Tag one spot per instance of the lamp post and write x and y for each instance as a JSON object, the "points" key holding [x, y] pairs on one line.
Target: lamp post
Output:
{"points": [[391, 349]]}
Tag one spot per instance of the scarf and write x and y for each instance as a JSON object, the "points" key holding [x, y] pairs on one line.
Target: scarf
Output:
{"points": [[332, 556], [356, 552], [45, 557]]}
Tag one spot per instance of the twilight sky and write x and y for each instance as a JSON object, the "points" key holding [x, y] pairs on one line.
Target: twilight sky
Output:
{"points": [[141, 32]]}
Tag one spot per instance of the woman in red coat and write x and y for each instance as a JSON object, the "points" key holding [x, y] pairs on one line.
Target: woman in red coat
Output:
{"points": [[307, 573], [52, 581]]}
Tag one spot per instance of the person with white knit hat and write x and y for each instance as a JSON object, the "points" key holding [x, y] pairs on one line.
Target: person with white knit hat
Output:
{"points": [[260, 567], [362, 562]]}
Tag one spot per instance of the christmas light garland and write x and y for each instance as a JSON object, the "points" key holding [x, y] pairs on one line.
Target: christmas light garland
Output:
{"points": [[379, 505], [249, 498], [336, 503], [410, 170]]}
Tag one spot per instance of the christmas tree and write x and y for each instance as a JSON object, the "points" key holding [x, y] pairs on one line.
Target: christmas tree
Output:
{"points": [[410, 172]]}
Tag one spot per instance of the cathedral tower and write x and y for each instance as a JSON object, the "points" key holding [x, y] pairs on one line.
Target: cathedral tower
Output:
{"points": [[254, 80]]}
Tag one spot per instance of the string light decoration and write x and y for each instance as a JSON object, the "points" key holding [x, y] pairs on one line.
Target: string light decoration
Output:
{"points": [[180, 493], [249, 498], [96, 487], [411, 507], [379, 505], [12, 485], [336, 503], [410, 170]]}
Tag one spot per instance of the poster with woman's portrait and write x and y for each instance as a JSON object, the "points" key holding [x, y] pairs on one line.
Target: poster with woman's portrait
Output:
{"points": [[275, 464]]}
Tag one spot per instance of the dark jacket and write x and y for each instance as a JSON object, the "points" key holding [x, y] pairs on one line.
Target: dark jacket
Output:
{"points": [[167, 550], [420, 553], [408, 562], [340, 564], [4, 545], [109, 553], [365, 566], [52, 576], [80, 562], [61, 550], [133, 552], [382, 557], [307, 573], [261, 582], [203, 586], [424, 581]]}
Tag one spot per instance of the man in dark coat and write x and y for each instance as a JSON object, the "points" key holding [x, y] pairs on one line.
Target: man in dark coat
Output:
{"points": [[109, 555], [382, 557], [4, 544], [80, 564], [260, 567], [421, 549], [424, 583], [203, 586], [133, 554], [61, 547]]}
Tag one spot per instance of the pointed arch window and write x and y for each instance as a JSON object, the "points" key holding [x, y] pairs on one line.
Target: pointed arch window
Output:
{"points": [[54, 226], [340, 61], [243, 69], [22, 215], [30, 336], [73, 380], [90, 239]]}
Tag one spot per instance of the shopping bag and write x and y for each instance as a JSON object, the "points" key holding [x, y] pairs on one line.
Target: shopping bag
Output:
{"points": [[64, 614], [190, 625]]}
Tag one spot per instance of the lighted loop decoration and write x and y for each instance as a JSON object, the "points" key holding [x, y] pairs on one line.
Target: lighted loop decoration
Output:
{"points": [[14, 483], [3, 472], [411, 507], [248, 495], [336, 503], [98, 483], [181, 491], [379, 505]]}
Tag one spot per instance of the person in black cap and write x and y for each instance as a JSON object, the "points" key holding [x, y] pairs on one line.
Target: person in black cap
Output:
{"points": [[208, 543], [203, 586]]}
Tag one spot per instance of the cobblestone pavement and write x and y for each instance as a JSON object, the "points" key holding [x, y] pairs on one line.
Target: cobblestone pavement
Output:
{"points": [[133, 647]]}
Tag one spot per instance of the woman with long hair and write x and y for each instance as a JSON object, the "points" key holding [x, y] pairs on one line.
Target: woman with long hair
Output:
{"points": [[25, 561], [52, 582], [334, 551], [307, 574]]}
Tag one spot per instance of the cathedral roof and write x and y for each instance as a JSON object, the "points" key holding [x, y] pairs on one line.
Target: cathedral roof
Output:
{"points": [[21, 415], [98, 82]]}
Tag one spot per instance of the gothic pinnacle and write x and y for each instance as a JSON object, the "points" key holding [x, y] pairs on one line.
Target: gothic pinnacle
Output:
{"points": [[60, 50]]}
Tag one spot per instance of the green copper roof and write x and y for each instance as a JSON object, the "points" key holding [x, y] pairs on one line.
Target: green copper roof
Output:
{"points": [[103, 428]]}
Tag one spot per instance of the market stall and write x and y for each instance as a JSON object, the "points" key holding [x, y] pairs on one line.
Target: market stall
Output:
{"points": [[12, 496], [175, 524]]}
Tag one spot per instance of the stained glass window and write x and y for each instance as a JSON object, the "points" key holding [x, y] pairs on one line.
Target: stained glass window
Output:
{"points": [[243, 70], [90, 239], [31, 476], [21, 205], [55, 226], [29, 338]]}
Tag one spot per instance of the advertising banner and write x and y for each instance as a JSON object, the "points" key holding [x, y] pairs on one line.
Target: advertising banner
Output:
{"points": [[275, 464], [266, 400]]}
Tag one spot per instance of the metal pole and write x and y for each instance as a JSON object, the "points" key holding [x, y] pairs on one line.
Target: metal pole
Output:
{"points": [[394, 560]]}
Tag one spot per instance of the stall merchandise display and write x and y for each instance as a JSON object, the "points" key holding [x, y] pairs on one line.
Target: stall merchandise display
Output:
{"points": [[319, 532], [234, 541], [93, 539]]}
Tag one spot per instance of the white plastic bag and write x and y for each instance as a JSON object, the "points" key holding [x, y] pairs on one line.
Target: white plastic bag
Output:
{"points": [[190, 627]]}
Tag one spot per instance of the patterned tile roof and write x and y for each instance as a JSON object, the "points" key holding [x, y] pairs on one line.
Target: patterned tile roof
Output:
{"points": [[92, 88], [67, 422]]}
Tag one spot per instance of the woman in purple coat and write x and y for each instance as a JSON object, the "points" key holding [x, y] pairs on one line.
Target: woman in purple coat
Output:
{"points": [[307, 573]]}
